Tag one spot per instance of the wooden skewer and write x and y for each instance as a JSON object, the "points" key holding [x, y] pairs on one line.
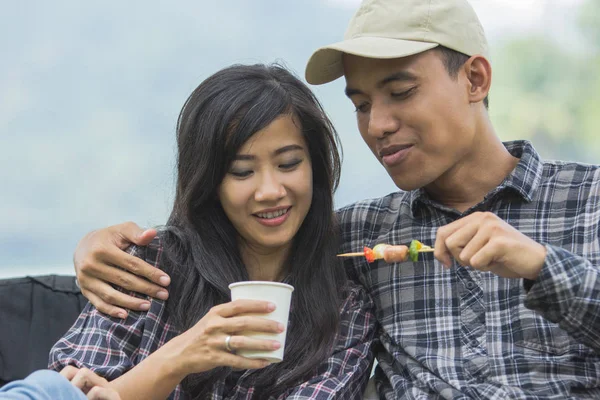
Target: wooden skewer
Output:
{"points": [[424, 249], [361, 254]]}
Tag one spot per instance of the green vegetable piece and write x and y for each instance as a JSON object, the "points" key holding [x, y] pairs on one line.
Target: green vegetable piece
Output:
{"points": [[413, 251]]}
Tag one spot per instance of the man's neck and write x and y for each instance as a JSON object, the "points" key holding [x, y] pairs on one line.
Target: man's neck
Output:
{"points": [[480, 171]]}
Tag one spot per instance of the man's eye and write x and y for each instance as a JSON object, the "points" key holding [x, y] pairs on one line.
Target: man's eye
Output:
{"points": [[362, 107], [290, 165], [404, 94]]}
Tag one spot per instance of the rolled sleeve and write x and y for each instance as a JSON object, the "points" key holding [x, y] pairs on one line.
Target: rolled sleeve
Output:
{"points": [[567, 292]]}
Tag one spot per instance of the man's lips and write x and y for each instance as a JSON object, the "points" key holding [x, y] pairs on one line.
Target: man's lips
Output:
{"points": [[393, 155]]}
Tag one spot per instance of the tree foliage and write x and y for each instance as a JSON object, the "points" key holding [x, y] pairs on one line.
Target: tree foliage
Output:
{"points": [[550, 94]]}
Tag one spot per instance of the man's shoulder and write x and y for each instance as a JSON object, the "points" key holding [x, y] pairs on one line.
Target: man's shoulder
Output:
{"points": [[369, 218], [570, 173], [385, 204]]}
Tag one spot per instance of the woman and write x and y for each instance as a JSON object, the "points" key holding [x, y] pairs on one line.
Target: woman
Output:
{"points": [[257, 166]]}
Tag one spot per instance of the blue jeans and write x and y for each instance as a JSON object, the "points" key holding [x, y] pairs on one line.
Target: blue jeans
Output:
{"points": [[41, 385]]}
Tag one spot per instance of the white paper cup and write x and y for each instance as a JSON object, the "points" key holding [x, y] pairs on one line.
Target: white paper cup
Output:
{"points": [[277, 293]]}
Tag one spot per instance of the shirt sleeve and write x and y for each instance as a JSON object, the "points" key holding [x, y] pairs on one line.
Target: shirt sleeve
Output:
{"points": [[111, 346], [567, 292], [345, 373]]}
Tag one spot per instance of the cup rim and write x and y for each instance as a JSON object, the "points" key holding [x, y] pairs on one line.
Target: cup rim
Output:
{"points": [[261, 283]]}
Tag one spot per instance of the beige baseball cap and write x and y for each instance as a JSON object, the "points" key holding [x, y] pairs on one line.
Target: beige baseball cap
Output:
{"points": [[400, 28]]}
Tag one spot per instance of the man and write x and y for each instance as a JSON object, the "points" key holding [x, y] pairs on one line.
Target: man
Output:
{"points": [[507, 305]]}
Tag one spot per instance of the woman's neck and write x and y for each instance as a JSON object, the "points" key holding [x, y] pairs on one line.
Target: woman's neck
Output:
{"points": [[264, 264]]}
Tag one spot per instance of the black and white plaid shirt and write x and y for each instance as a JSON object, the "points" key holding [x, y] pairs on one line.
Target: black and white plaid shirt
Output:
{"points": [[461, 333], [110, 347]]}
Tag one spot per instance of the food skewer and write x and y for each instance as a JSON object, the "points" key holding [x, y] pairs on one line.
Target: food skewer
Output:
{"points": [[377, 252]]}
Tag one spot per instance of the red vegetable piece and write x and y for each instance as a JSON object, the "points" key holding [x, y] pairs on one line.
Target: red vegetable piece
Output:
{"points": [[369, 254]]}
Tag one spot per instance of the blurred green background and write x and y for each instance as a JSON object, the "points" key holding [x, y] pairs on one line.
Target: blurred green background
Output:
{"points": [[90, 92], [549, 92]]}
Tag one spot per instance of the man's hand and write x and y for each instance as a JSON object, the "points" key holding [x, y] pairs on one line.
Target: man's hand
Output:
{"points": [[487, 243], [95, 259], [94, 386]]}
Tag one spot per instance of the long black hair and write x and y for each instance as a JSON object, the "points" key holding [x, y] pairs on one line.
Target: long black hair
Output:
{"points": [[201, 245]]}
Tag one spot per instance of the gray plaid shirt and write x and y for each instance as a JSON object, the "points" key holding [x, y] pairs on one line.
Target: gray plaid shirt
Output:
{"points": [[461, 333]]}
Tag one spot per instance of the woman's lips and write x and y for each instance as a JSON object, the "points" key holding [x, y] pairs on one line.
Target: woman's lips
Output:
{"points": [[274, 221]]}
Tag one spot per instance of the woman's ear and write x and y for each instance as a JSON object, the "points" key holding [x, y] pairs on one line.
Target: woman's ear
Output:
{"points": [[479, 74]]}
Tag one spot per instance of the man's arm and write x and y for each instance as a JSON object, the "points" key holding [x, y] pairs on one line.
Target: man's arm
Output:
{"points": [[100, 259], [567, 292], [563, 287]]}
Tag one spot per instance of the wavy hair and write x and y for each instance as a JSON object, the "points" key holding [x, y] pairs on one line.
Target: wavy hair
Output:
{"points": [[201, 245]]}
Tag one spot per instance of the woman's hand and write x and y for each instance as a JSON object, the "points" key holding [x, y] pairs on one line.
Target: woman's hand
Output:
{"points": [[203, 347], [95, 259], [95, 387]]}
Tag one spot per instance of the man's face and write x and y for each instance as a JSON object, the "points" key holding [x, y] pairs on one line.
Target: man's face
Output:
{"points": [[415, 118]]}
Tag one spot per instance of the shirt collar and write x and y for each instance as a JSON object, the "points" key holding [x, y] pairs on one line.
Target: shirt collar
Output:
{"points": [[524, 179]]}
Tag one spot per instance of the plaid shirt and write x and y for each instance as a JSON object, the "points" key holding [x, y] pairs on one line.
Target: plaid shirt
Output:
{"points": [[462, 333], [110, 347]]}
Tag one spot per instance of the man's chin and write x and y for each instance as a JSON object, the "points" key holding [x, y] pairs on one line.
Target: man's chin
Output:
{"points": [[406, 184]]}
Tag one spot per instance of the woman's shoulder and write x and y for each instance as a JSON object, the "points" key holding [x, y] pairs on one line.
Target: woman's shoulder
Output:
{"points": [[152, 252], [355, 297]]}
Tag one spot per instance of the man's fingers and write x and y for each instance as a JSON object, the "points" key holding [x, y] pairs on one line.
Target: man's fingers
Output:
{"points": [[130, 232], [476, 244], [100, 393], [104, 307], [445, 250], [139, 268], [119, 299]]}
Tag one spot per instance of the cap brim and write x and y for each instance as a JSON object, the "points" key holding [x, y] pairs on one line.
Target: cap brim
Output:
{"points": [[325, 65]]}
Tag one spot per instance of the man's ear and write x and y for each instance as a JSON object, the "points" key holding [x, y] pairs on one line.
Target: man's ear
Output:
{"points": [[479, 74]]}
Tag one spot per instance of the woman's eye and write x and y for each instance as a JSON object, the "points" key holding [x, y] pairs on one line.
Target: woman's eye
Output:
{"points": [[290, 165], [241, 174]]}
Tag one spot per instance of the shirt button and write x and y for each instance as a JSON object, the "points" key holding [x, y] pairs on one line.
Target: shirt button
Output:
{"points": [[470, 285]]}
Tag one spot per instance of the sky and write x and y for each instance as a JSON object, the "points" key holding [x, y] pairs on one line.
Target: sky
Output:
{"points": [[90, 93]]}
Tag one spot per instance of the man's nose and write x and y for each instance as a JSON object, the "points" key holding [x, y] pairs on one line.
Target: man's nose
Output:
{"points": [[382, 121]]}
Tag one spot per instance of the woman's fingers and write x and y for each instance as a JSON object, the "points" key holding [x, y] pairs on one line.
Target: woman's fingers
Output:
{"points": [[240, 342], [69, 372], [250, 324], [100, 393], [235, 361], [238, 307], [85, 380]]}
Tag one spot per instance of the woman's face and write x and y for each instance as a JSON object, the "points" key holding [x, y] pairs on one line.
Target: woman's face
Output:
{"points": [[267, 191]]}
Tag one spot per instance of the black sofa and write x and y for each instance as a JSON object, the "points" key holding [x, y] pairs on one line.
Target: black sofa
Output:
{"points": [[35, 311]]}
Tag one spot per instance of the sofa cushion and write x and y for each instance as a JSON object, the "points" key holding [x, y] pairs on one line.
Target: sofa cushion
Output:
{"points": [[35, 311]]}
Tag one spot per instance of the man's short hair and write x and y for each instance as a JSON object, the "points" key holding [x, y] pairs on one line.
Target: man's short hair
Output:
{"points": [[453, 60]]}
